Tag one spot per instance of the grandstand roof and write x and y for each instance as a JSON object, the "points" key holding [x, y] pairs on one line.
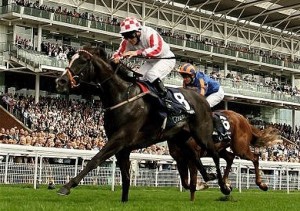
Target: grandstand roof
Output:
{"points": [[283, 15]]}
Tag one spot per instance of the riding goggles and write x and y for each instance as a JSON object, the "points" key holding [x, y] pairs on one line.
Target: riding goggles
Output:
{"points": [[129, 35]]}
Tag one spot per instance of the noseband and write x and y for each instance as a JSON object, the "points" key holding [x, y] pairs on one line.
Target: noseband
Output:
{"points": [[75, 78]]}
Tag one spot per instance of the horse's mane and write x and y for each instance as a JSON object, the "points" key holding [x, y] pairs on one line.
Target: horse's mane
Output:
{"points": [[122, 69]]}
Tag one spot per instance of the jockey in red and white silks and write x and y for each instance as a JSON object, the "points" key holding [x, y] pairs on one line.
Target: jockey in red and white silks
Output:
{"points": [[145, 41]]}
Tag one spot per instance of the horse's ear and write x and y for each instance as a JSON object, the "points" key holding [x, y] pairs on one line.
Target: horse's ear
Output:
{"points": [[70, 54]]}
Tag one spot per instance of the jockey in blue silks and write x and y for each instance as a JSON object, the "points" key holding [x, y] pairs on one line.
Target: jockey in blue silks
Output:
{"points": [[206, 86]]}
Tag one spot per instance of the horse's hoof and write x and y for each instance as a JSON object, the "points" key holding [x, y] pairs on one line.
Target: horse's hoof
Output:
{"points": [[228, 184], [124, 200], [63, 191], [263, 187], [226, 190], [201, 186]]}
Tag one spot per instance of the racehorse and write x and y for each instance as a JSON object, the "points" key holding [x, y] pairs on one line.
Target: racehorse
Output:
{"points": [[131, 119], [243, 137]]}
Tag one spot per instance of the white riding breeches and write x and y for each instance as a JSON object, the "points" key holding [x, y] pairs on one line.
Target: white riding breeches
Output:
{"points": [[156, 68], [215, 98]]}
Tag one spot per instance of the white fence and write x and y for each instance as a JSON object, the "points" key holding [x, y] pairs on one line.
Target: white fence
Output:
{"points": [[278, 175]]}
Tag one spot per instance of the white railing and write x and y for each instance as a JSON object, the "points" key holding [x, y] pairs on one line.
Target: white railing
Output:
{"points": [[281, 175]]}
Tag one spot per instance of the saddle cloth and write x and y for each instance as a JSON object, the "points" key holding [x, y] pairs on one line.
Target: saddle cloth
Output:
{"points": [[224, 124], [180, 110]]}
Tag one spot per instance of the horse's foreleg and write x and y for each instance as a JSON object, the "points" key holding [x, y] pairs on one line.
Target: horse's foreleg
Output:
{"points": [[179, 155], [228, 157], [124, 164], [110, 149], [183, 172], [193, 180], [197, 153], [211, 149]]}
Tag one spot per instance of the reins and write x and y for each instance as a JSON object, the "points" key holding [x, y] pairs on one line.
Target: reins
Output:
{"points": [[142, 57], [74, 83], [126, 101]]}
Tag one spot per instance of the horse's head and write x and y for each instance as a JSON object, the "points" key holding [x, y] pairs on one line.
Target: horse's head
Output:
{"points": [[81, 68]]}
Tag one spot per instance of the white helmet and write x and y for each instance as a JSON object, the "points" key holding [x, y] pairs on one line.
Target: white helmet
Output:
{"points": [[130, 24]]}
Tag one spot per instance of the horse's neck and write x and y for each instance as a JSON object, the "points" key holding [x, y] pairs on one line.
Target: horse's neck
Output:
{"points": [[114, 91]]}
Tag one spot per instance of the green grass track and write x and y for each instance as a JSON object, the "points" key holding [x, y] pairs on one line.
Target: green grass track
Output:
{"points": [[24, 197]]}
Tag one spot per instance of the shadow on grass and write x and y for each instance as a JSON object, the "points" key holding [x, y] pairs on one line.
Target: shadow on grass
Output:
{"points": [[226, 198]]}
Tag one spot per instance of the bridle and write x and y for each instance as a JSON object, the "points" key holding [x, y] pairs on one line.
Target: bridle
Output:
{"points": [[75, 78]]}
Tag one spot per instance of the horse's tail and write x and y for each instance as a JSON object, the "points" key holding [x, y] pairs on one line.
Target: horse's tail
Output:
{"points": [[266, 137]]}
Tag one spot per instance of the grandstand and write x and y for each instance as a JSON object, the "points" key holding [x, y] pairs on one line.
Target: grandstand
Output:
{"points": [[217, 37], [251, 46]]}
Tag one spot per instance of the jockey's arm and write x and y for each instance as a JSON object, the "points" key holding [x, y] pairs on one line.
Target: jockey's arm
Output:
{"points": [[202, 86], [155, 43], [120, 52]]}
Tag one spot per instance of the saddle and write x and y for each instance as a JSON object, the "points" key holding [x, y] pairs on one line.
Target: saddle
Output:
{"points": [[180, 108]]}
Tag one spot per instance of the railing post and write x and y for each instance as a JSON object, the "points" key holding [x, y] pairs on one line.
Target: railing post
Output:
{"points": [[113, 174], [280, 177], [156, 177], [6, 169], [287, 180], [36, 160], [248, 176], [40, 171], [299, 180], [76, 167], [274, 179], [237, 177], [82, 166], [240, 176]]}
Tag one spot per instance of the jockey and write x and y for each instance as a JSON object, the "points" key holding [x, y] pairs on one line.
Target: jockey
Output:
{"points": [[207, 87], [145, 41]]}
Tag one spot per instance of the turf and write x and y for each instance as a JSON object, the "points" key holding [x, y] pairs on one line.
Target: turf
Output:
{"points": [[24, 197]]}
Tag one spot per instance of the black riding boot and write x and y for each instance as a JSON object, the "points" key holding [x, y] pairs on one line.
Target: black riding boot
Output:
{"points": [[162, 92]]}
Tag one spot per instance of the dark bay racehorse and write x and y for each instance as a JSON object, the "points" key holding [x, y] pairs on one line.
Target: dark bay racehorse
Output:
{"points": [[130, 120], [243, 137]]}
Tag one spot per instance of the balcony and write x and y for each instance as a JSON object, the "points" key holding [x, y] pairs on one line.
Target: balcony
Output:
{"points": [[50, 17], [36, 59]]}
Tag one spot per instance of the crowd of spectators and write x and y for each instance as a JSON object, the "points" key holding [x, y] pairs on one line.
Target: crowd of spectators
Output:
{"points": [[55, 122], [23, 43], [60, 51], [70, 12], [78, 124], [273, 86]]}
